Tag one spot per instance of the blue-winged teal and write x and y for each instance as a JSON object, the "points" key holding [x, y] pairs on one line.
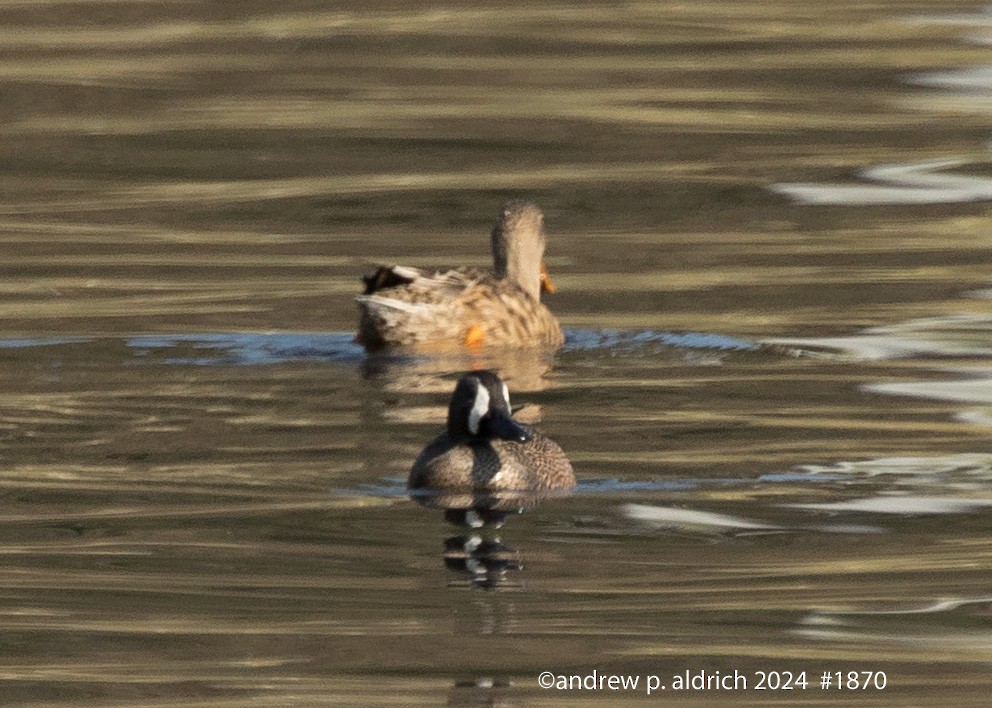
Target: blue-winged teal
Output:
{"points": [[485, 450], [403, 306]]}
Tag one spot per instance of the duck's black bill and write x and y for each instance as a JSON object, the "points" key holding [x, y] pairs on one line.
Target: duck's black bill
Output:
{"points": [[506, 428]]}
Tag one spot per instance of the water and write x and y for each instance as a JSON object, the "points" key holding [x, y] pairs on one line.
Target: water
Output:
{"points": [[769, 226]]}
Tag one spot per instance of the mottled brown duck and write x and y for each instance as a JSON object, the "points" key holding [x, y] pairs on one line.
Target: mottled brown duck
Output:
{"points": [[406, 307], [485, 450]]}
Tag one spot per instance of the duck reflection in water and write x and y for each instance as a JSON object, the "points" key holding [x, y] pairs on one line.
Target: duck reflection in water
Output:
{"points": [[484, 466]]}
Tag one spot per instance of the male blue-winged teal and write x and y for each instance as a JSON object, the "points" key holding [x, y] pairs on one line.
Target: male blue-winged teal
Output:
{"points": [[485, 450], [403, 306]]}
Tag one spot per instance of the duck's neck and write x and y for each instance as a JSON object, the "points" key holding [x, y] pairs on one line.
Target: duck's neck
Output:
{"points": [[522, 266]]}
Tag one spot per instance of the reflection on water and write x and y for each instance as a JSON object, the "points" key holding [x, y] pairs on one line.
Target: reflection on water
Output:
{"points": [[278, 347], [953, 625], [690, 521], [773, 256], [904, 505], [956, 335], [956, 346], [973, 385], [964, 90], [913, 183], [947, 471], [487, 564]]}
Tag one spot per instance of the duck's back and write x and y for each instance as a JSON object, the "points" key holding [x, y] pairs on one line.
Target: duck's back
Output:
{"points": [[492, 465], [455, 307]]}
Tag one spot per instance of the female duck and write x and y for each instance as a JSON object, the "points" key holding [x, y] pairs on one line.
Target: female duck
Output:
{"points": [[485, 450], [403, 306]]}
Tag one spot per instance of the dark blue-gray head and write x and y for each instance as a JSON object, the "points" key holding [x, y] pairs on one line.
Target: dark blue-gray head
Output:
{"points": [[480, 410]]}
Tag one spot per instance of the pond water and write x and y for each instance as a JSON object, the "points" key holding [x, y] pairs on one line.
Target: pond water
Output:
{"points": [[770, 230]]}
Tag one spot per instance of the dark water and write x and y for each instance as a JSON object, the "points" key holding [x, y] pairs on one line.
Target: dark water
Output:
{"points": [[769, 225]]}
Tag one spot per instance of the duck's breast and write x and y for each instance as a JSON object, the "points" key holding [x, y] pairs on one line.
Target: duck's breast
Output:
{"points": [[494, 465]]}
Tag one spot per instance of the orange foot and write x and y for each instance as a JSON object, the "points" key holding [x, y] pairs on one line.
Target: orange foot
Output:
{"points": [[475, 336], [473, 341]]}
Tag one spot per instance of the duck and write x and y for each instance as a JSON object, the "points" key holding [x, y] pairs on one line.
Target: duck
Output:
{"points": [[484, 450], [467, 307]]}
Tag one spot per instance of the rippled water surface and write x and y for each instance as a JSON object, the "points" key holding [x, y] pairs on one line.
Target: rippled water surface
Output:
{"points": [[770, 229]]}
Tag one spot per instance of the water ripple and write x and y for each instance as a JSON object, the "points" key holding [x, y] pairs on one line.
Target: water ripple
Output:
{"points": [[909, 183]]}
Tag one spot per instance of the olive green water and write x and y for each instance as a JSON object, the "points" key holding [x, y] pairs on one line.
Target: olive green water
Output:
{"points": [[770, 229]]}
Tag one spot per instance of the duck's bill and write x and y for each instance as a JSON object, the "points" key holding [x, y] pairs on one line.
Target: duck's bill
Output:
{"points": [[506, 428], [546, 285]]}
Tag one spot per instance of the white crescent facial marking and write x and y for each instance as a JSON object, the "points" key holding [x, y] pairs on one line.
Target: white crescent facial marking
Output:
{"points": [[479, 408], [506, 396]]}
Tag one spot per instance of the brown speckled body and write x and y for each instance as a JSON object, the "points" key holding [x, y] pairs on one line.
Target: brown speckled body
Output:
{"points": [[451, 303], [405, 307], [492, 466]]}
